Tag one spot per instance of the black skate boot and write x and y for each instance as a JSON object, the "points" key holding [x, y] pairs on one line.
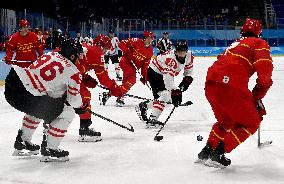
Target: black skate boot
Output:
{"points": [[54, 155], [120, 102], [204, 154], [141, 110], [104, 97], [118, 77], [153, 123], [87, 134], [217, 157], [24, 148]]}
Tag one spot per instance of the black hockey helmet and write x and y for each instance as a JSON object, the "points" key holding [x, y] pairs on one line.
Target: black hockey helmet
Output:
{"points": [[181, 45], [70, 50]]}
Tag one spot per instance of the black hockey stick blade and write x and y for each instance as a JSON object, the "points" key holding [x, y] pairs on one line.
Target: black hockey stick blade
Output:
{"points": [[187, 103], [131, 129], [263, 144]]}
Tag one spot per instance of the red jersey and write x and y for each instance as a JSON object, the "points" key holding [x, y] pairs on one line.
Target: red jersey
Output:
{"points": [[25, 46], [240, 61], [94, 60], [135, 51]]}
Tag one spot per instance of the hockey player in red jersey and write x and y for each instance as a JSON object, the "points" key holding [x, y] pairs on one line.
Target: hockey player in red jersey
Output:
{"points": [[93, 59], [26, 44], [161, 74], [238, 110], [47, 90], [137, 54]]}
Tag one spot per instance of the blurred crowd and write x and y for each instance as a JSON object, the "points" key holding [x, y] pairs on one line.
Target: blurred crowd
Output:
{"points": [[50, 39]]}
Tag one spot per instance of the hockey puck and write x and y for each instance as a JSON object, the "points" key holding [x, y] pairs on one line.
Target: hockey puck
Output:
{"points": [[199, 138], [158, 138]]}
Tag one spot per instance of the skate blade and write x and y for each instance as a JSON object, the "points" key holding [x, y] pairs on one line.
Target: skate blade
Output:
{"points": [[119, 105], [200, 161], [25, 153], [101, 99], [89, 139], [53, 159], [154, 127], [211, 163]]}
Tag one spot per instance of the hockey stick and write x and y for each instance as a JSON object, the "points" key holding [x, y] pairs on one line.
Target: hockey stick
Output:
{"points": [[160, 137], [107, 119], [137, 71], [147, 99], [14, 62], [259, 143]]}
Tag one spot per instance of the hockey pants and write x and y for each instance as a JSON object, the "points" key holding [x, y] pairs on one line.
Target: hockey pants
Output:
{"points": [[236, 114]]}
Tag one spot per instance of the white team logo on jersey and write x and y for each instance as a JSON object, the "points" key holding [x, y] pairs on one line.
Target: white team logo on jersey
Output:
{"points": [[226, 79]]}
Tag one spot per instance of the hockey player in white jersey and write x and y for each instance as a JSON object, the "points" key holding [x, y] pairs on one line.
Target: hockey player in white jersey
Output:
{"points": [[113, 55], [47, 90], [161, 74]]}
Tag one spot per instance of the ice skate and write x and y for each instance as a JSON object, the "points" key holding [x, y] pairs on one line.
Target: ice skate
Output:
{"points": [[118, 77], [24, 148], [153, 123], [103, 97], [204, 154], [141, 110], [120, 102], [54, 155], [217, 158], [89, 135]]}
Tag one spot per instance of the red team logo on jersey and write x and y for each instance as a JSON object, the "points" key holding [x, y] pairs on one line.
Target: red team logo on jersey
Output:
{"points": [[171, 63]]}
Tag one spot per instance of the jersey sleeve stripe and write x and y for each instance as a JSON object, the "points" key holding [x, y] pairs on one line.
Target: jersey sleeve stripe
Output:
{"points": [[237, 55], [263, 49], [262, 60]]}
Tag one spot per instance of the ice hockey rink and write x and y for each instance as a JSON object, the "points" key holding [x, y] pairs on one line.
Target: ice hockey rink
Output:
{"points": [[123, 157]]}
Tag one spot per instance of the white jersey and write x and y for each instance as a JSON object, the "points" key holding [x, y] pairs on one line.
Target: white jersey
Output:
{"points": [[52, 75], [167, 65], [114, 46], [88, 40], [79, 40]]}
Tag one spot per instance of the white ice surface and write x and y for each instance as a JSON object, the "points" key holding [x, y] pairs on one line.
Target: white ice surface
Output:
{"points": [[124, 157]]}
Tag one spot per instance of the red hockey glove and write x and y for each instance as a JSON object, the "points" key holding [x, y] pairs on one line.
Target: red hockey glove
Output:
{"points": [[260, 108], [89, 81]]}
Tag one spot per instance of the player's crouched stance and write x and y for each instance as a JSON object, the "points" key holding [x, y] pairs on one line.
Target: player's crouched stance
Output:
{"points": [[47, 90], [238, 110], [161, 75]]}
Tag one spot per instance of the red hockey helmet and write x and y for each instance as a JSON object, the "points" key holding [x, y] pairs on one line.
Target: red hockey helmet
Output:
{"points": [[148, 34], [103, 41], [24, 23], [252, 25]]}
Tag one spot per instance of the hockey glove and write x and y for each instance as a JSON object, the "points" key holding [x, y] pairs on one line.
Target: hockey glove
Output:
{"points": [[82, 109], [89, 81], [186, 81], [260, 108], [176, 97]]}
